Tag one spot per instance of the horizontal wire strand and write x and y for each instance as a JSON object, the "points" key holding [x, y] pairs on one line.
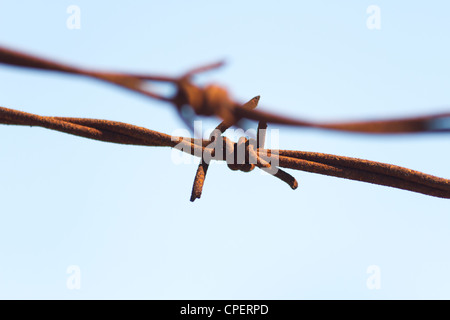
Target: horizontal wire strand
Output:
{"points": [[326, 164]]}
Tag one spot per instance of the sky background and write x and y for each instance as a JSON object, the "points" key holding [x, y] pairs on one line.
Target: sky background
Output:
{"points": [[121, 214]]}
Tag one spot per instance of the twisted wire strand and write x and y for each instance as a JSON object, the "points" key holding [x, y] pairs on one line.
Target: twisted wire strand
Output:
{"points": [[214, 100], [326, 164]]}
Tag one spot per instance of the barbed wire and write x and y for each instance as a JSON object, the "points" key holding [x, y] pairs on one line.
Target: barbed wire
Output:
{"points": [[214, 100], [314, 162]]}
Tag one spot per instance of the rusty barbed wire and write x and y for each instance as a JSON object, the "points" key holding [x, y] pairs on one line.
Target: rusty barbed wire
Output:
{"points": [[214, 100], [326, 164]]}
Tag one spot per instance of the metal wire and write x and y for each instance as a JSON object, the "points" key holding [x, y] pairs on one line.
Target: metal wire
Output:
{"points": [[213, 100], [326, 164]]}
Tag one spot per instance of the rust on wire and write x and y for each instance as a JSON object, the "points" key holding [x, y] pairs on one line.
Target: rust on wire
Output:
{"points": [[250, 152], [326, 164], [214, 100]]}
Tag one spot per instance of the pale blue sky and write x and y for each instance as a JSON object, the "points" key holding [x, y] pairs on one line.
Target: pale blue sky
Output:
{"points": [[122, 214]]}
